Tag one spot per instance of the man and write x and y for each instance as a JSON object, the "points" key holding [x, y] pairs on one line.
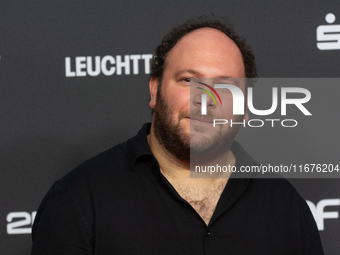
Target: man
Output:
{"points": [[138, 197]]}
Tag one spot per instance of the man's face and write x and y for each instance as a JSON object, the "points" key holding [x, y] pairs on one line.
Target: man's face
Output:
{"points": [[178, 124]]}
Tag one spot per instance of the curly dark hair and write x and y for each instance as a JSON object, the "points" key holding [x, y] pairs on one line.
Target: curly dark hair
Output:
{"points": [[170, 40]]}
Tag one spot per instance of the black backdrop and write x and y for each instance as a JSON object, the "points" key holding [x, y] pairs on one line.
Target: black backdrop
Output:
{"points": [[54, 116]]}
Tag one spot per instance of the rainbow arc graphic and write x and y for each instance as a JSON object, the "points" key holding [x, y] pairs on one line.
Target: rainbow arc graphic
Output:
{"points": [[208, 92]]}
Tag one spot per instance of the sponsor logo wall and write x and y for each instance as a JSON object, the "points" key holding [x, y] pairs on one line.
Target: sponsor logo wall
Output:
{"points": [[74, 79]]}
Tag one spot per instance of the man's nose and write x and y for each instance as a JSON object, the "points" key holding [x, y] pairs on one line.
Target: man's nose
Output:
{"points": [[201, 97]]}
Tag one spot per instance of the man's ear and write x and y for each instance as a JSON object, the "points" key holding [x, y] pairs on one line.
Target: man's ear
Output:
{"points": [[153, 86]]}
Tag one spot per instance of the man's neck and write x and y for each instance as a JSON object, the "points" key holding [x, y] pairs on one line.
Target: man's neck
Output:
{"points": [[178, 171]]}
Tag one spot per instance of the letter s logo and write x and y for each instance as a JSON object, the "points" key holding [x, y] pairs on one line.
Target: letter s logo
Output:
{"points": [[328, 36]]}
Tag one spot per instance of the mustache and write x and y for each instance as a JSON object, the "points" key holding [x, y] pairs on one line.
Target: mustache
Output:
{"points": [[196, 114]]}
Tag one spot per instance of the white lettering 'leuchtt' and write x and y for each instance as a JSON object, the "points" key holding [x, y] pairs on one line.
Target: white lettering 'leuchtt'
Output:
{"points": [[108, 65], [328, 36]]}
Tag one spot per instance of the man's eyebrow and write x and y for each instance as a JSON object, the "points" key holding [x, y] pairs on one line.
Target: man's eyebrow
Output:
{"points": [[197, 73], [223, 77], [179, 72]]}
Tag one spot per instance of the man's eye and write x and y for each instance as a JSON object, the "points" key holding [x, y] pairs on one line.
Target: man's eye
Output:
{"points": [[186, 80]]}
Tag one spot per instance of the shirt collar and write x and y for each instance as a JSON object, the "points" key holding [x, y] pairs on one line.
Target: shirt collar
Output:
{"points": [[242, 159], [139, 145], [241, 155]]}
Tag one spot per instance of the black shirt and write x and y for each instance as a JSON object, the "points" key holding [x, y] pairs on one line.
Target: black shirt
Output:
{"points": [[119, 203]]}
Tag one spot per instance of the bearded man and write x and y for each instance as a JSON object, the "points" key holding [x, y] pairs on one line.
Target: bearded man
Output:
{"points": [[139, 197]]}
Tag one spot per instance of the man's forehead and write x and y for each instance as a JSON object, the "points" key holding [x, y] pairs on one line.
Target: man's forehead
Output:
{"points": [[204, 47], [204, 37]]}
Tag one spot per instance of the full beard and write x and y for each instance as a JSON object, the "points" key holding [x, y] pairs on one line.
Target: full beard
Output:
{"points": [[172, 136]]}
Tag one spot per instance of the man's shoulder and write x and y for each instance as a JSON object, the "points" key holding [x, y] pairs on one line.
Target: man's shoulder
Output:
{"points": [[269, 185], [98, 168], [275, 187], [108, 166]]}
